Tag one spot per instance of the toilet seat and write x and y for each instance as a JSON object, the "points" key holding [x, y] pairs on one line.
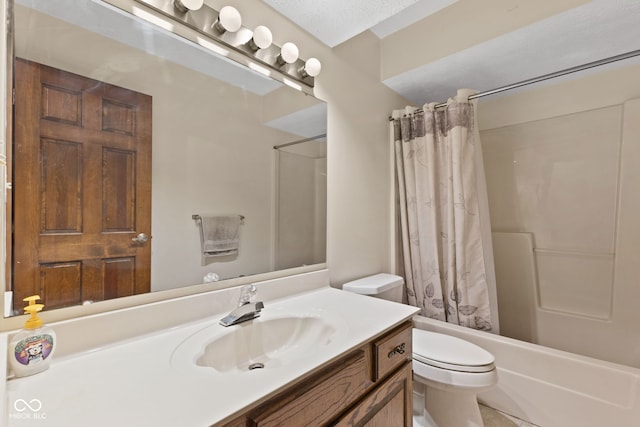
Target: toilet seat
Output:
{"points": [[445, 362], [446, 379], [450, 353]]}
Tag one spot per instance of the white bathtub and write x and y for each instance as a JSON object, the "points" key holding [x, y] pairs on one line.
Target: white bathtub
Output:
{"points": [[553, 388]]}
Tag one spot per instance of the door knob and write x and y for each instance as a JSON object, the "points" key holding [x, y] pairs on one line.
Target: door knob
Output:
{"points": [[141, 238]]}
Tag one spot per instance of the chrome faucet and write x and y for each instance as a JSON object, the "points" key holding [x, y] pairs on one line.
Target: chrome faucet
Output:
{"points": [[248, 294], [247, 309]]}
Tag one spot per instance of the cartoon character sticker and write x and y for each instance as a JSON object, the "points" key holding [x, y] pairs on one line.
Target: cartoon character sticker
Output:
{"points": [[33, 350]]}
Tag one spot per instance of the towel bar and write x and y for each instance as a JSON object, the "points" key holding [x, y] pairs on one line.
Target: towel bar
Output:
{"points": [[197, 217]]}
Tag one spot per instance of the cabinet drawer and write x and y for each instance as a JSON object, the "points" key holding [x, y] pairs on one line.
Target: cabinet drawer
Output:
{"points": [[392, 350]]}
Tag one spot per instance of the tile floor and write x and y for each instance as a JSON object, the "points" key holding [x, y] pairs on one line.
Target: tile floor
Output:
{"points": [[494, 418]]}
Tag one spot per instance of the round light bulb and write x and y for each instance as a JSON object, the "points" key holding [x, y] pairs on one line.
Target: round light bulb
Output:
{"points": [[288, 53], [311, 68], [185, 6], [262, 37], [229, 19]]}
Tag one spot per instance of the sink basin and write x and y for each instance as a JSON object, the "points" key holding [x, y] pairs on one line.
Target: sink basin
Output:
{"points": [[276, 339]]}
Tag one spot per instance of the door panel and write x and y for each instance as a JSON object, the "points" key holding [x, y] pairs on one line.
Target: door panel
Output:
{"points": [[119, 280], [60, 282], [82, 188], [118, 190], [61, 182]]}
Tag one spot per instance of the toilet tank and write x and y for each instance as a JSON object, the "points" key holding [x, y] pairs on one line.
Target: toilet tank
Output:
{"points": [[383, 285]]}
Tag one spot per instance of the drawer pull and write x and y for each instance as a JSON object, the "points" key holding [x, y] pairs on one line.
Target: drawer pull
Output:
{"points": [[399, 349]]}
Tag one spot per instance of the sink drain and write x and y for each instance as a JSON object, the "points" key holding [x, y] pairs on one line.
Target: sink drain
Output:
{"points": [[256, 366]]}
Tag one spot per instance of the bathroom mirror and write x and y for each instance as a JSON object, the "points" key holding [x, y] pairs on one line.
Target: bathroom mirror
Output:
{"points": [[225, 141]]}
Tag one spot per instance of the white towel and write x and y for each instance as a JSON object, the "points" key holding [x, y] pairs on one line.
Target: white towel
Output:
{"points": [[220, 235]]}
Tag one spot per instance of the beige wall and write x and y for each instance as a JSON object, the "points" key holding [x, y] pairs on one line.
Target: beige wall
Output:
{"points": [[562, 172]]}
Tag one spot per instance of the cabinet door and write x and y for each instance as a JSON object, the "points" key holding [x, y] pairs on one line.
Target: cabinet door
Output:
{"points": [[238, 422], [316, 402], [388, 405]]}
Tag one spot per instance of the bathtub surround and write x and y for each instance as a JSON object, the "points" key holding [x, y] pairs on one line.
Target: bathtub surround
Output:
{"points": [[539, 384], [443, 213], [562, 172]]}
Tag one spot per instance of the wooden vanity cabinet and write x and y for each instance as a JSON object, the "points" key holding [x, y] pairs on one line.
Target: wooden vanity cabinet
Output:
{"points": [[388, 405], [370, 386]]}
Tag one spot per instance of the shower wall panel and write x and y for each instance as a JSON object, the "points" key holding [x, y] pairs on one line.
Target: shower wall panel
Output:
{"points": [[560, 179]]}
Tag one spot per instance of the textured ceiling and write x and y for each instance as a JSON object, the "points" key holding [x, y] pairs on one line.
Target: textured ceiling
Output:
{"points": [[596, 30]]}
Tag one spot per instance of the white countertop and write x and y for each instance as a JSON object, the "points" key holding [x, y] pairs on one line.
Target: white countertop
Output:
{"points": [[140, 381]]}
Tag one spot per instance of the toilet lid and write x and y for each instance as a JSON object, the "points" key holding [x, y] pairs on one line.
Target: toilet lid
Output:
{"points": [[447, 352]]}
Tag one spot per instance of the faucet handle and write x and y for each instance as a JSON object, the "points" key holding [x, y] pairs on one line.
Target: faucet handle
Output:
{"points": [[248, 294]]}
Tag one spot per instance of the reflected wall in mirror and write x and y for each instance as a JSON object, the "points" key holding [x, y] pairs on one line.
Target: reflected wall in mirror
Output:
{"points": [[212, 126], [301, 198]]}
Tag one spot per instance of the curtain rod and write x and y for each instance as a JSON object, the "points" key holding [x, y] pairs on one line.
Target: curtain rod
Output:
{"points": [[549, 76], [300, 141]]}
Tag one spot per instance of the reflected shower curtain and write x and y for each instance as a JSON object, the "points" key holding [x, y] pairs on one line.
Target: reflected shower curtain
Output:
{"points": [[443, 208]]}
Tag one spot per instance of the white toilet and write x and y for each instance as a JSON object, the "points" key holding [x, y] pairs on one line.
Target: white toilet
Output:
{"points": [[448, 372]]}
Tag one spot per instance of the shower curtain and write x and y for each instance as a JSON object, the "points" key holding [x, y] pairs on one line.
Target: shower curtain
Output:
{"points": [[444, 212]]}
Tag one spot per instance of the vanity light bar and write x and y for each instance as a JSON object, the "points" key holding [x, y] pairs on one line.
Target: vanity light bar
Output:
{"points": [[208, 21]]}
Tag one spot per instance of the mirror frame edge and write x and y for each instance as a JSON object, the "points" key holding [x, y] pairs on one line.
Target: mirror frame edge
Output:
{"points": [[69, 313], [6, 58]]}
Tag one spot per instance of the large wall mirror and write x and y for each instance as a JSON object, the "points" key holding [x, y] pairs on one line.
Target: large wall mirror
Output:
{"points": [[129, 140]]}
